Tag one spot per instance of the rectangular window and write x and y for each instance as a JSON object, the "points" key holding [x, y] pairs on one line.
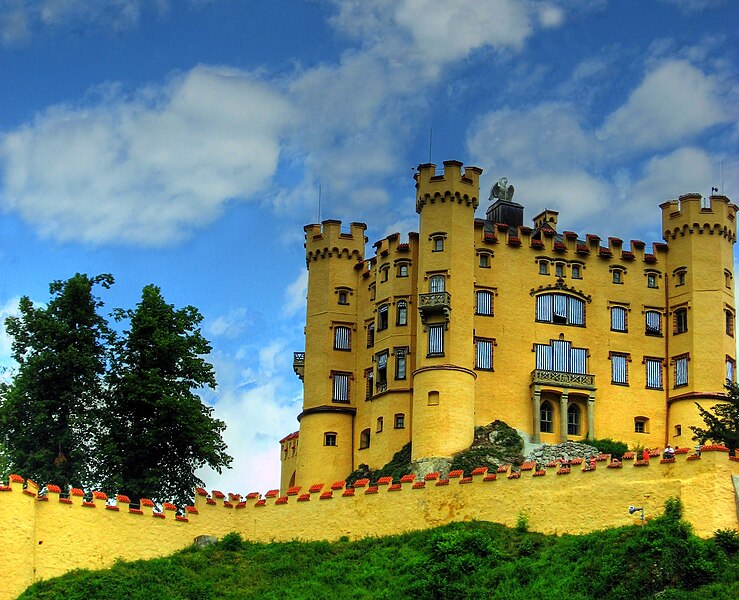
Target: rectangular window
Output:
{"points": [[382, 317], [484, 354], [729, 323], [576, 273], [559, 270], [618, 319], [681, 320], [730, 369], [400, 362], [654, 373], [543, 267], [640, 426], [370, 389], [654, 322], [382, 372], [560, 308], [329, 439], [342, 338], [400, 421], [484, 303], [436, 340], [370, 335], [561, 356], [619, 372], [681, 371], [341, 387]]}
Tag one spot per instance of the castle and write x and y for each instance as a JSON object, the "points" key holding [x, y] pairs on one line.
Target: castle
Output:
{"points": [[562, 336]]}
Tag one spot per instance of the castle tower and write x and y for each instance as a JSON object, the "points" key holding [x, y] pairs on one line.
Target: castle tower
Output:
{"points": [[444, 382], [329, 384], [700, 344]]}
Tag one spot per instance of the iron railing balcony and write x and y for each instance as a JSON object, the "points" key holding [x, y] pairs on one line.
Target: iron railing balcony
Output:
{"points": [[299, 364]]}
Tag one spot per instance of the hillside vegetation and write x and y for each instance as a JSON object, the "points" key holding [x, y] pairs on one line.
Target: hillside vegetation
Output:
{"points": [[462, 560]]}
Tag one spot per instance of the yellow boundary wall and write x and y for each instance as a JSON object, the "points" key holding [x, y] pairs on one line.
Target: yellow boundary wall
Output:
{"points": [[47, 536]]}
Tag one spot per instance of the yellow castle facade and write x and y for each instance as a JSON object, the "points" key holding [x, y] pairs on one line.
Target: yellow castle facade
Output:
{"points": [[562, 336]]}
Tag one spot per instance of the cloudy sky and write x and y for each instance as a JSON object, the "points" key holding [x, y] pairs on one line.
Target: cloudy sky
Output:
{"points": [[183, 143]]}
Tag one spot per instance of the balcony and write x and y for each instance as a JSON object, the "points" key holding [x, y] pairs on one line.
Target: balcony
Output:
{"points": [[433, 304], [559, 379], [299, 364]]}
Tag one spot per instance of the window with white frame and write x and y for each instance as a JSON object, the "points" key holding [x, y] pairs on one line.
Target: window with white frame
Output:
{"points": [[654, 373], [382, 317], [484, 353], [653, 319], [437, 241], [560, 356], [560, 308], [484, 304], [436, 340], [381, 370], [401, 309], [340, 387], [329, 438], [403, 270], [618, 319], [342, 338], [437, 283], [619, 368], [400, 362], [681, 370]]}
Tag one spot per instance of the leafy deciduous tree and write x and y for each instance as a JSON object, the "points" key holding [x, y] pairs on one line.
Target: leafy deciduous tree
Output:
{"points": [[48, 411], [722, 421], [160, 431]]}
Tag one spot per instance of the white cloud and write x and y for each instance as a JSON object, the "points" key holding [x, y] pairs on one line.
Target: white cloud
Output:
{"points": [[674, 102], [146, 169], [230, 326], [295, 294], [258, 414]]}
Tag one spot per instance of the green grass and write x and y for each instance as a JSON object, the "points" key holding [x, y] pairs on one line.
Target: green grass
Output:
{"points": [[461, 560]]}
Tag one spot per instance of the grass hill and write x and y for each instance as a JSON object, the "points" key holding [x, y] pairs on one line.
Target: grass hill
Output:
{"points": [[462, 560]]}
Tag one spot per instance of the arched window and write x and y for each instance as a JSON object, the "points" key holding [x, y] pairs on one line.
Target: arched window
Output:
{"points": [[573, 420], [654, 322], [402, 313], [546, 417], [364, 439], [370, 335], [380, 424], [436, 283]]}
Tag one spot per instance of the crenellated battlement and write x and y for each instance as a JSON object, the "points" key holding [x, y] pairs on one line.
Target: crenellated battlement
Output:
{"points": [[452, 185], [45, 529], [692, 214], [327, 240]]}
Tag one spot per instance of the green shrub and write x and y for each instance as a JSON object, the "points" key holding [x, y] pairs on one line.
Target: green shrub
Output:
{"points": [[522, 522], [727, 540], [231, 542], [609, 446]]}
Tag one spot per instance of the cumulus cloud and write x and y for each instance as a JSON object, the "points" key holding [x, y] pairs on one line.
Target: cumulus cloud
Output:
{"points": [[674, 102], [230, 325], [145, 169]]}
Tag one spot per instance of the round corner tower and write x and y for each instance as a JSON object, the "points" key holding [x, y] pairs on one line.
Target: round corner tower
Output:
{"points": [[700, 341], [329, 372], [444, 382]]}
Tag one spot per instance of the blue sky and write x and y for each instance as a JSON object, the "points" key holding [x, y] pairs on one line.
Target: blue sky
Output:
{"points": [[183, 143]]}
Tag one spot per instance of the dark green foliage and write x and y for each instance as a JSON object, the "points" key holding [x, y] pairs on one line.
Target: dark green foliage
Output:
{"points": [[494, 445], [461, 560], [160, 431], [609, 446], [727, 540], [398, 466], [722, 421], [90, 408], [49, 412]]}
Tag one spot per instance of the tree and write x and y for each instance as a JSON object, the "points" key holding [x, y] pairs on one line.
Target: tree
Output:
{"points": [[48, 411], [722, 421], [160, 432]]}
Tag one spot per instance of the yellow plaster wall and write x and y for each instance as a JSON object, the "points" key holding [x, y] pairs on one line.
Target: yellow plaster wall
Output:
{"points": [[43, 539]]}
